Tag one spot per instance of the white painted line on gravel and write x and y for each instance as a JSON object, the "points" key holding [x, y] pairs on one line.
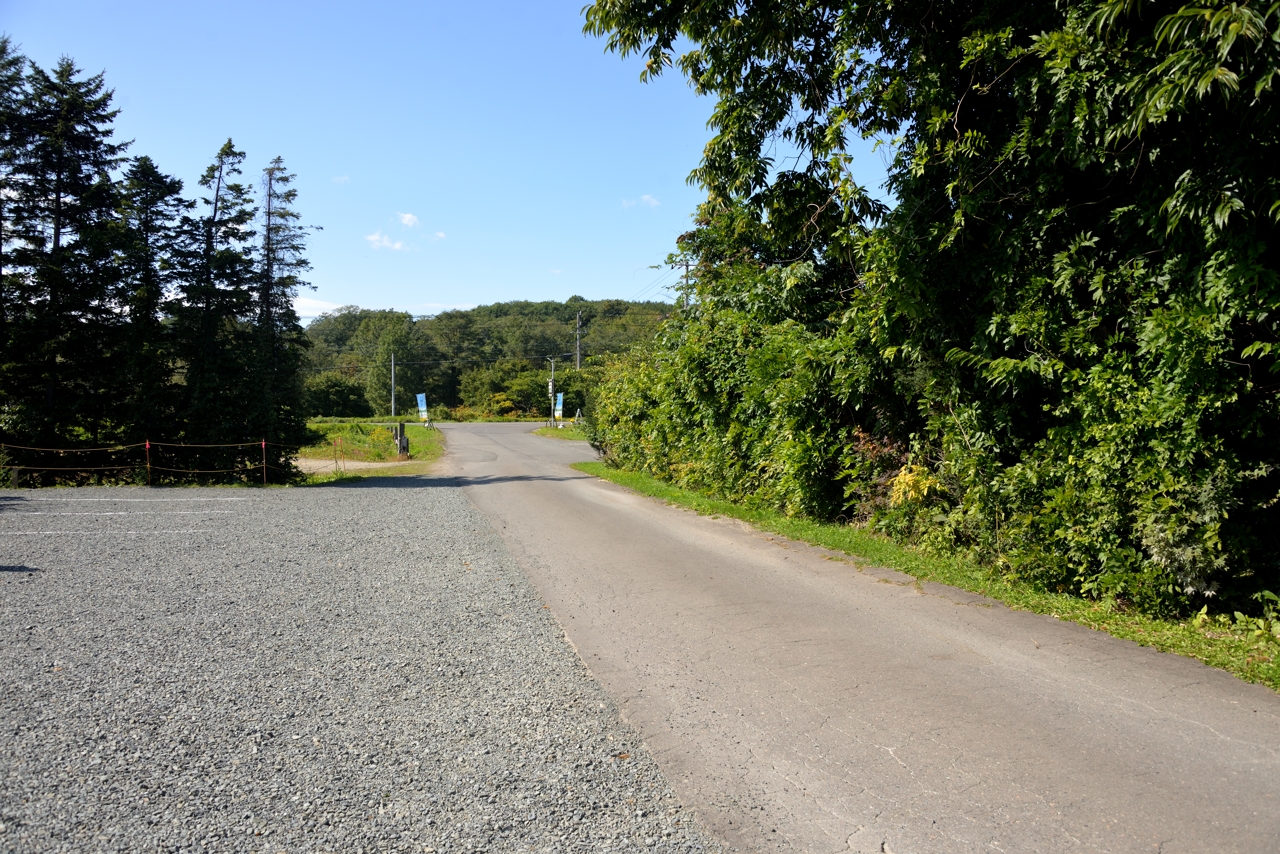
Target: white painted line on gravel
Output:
{"points": [[134, 499], [116, 513], [81, 533]]}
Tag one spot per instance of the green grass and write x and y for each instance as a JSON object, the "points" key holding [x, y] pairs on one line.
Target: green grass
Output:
{"points": [[371, 442], [1218, 642], [569, 431]]}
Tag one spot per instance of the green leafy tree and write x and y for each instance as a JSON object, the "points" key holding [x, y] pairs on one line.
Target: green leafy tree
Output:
{"points": [[1067, 318], [476, 353], [336, 395], [330, 335], [417, 361]]}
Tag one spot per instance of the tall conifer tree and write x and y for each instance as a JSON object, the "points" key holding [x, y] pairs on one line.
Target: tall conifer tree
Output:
{"points": [[151, 209], [215, 298], [12, 65], [278, 334], [63, 206]]}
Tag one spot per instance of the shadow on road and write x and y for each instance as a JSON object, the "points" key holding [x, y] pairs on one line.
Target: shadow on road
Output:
{"points": [[432, 481]]}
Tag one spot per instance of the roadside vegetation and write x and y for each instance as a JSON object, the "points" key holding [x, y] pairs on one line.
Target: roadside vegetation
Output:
{"points": [[1052, 354], [1248, 647]]}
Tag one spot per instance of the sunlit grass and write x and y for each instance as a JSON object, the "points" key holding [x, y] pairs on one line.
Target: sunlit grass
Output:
{"points": [[371, 442], [569, 431], [367, 442]]}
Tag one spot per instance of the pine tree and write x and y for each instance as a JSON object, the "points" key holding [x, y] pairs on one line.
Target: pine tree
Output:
{"points": [[62, 213], [151, 209], [12, 82], [215, 298], [279, 339]]}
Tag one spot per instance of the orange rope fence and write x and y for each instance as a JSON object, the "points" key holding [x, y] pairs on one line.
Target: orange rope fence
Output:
{"points": [[147, 463]]}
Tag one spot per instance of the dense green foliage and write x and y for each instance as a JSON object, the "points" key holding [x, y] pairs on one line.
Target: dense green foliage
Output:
{"points": [[486, 361], [129, 313], [1055, 351]]}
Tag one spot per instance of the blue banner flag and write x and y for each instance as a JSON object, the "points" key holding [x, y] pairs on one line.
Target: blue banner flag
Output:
{"points": [[422, 407], [559, 405]]}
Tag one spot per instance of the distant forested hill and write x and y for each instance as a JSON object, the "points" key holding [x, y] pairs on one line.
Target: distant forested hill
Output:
{"points": [[491, 359]]}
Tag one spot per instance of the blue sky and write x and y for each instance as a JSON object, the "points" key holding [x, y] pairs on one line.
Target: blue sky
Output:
{"points": [[454, 154]]}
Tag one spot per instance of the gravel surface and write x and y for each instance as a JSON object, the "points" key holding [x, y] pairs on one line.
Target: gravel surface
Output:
{"points": [[344, 668]]}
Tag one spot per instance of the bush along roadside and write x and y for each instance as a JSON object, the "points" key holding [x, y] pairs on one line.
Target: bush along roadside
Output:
{"points": [[1053, 353], [1246, 646]]}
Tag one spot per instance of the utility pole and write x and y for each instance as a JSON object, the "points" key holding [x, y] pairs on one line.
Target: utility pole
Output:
{"points": [[685, 294], [686, 271], [393, 384], [577, 344], [551, 389]]}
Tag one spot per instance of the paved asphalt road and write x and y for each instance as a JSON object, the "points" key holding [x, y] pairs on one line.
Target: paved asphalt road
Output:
{"points": [[799, 704]]}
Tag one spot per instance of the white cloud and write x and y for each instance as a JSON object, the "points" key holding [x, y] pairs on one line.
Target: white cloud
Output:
{"points": [[430, 307], [309, 307], [439, 235], [646, 200], [555, 272], [341, 179], [407, 219], [378, 240]]}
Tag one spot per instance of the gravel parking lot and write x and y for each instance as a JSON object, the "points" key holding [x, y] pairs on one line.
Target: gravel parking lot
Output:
{"points": [[343, 668]]}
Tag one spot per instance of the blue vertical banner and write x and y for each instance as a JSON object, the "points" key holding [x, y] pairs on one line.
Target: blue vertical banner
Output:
{"points": [[422, 407], [559, 405]]}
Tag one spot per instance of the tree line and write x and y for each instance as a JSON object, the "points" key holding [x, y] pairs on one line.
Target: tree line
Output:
{"points": [[1055, 351], [130, 312], [491, 360]]}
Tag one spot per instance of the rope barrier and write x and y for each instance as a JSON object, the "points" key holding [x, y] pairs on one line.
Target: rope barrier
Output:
{"points": [[254, 444], [211, 471], [231, 445], [340, 458], [144, 463], [77, 468], [73, 450]]}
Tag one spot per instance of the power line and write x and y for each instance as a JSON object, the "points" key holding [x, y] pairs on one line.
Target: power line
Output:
{"points": [[649, 287], [430, 362]]}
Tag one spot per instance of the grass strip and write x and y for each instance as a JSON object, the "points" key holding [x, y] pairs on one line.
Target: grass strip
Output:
{"points": [[573, 433], [1218, 642]]}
